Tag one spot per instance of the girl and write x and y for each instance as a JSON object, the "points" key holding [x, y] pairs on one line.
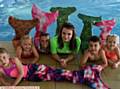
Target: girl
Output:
{"points": [[12, 67], [26, 52], [112, 50], [8, 64], [66, 43], [94, 53]]}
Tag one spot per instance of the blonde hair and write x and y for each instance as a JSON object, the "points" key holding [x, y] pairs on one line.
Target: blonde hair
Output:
{"points": [[25, 37], [113, 36]]}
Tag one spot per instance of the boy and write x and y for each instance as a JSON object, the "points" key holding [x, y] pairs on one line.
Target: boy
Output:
{"points": [[94, 53], [44, 43]]}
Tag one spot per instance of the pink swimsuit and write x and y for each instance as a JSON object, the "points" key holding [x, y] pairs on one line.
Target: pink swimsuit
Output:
{"points": [[13, 72]]}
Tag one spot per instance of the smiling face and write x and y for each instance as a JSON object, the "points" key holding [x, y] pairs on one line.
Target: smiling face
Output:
{"points": [[111, 42], [26, 44], [67, 34], [94, 47], [4, 59]]}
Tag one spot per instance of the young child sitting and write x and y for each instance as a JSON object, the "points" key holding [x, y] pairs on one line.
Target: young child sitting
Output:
{"points": [[94, 53], [112, 50], [12, 67], [26, 52]]}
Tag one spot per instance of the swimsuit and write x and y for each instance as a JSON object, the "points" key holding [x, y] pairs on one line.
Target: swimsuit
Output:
{"points": [[12, 70], [27, 56], [111, 55]]}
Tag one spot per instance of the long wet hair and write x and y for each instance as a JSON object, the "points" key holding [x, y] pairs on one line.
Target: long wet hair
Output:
{"points": [[73, 42]]}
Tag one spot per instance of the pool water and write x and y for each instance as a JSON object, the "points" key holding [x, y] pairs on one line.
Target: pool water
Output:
{"points": [[108, 9]]}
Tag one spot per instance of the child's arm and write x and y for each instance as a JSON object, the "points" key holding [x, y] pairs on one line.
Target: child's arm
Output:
{"points": [[4, 82], [64, 62], [19, 52], [84, 58], [2, 79], [36, 55], [56, 57], [118, 54], [104, 59], [20, 71], [53, 49], [70, 57]]}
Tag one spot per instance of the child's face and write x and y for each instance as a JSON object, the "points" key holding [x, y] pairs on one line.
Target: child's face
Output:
{"points": [[94, 47], [4, 59], [44, 41], [67, 34], [111, 42], [27, 45]]}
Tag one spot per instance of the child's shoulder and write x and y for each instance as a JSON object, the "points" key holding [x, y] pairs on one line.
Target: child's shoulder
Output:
{"points": [[101, 52], [117, 48], [104, 48]]}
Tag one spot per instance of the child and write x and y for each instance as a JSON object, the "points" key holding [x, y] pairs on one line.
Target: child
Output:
{"points": [[66, 43], [7, 64], [26, 52], [12, 67], [94, 53], [112, 51], [44, 43]]}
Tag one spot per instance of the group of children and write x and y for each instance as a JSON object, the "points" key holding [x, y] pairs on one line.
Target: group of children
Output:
{"points": [[63, 48]]}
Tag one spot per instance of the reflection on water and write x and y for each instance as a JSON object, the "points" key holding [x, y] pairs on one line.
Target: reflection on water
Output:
{"points": [[108, 9]]}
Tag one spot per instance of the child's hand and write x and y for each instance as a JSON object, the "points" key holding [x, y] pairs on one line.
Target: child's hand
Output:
{"points": [[115, 65], [63, 63]]}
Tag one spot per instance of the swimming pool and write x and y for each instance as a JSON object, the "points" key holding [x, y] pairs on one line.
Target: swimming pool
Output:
{"points": [[22, 9]]}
